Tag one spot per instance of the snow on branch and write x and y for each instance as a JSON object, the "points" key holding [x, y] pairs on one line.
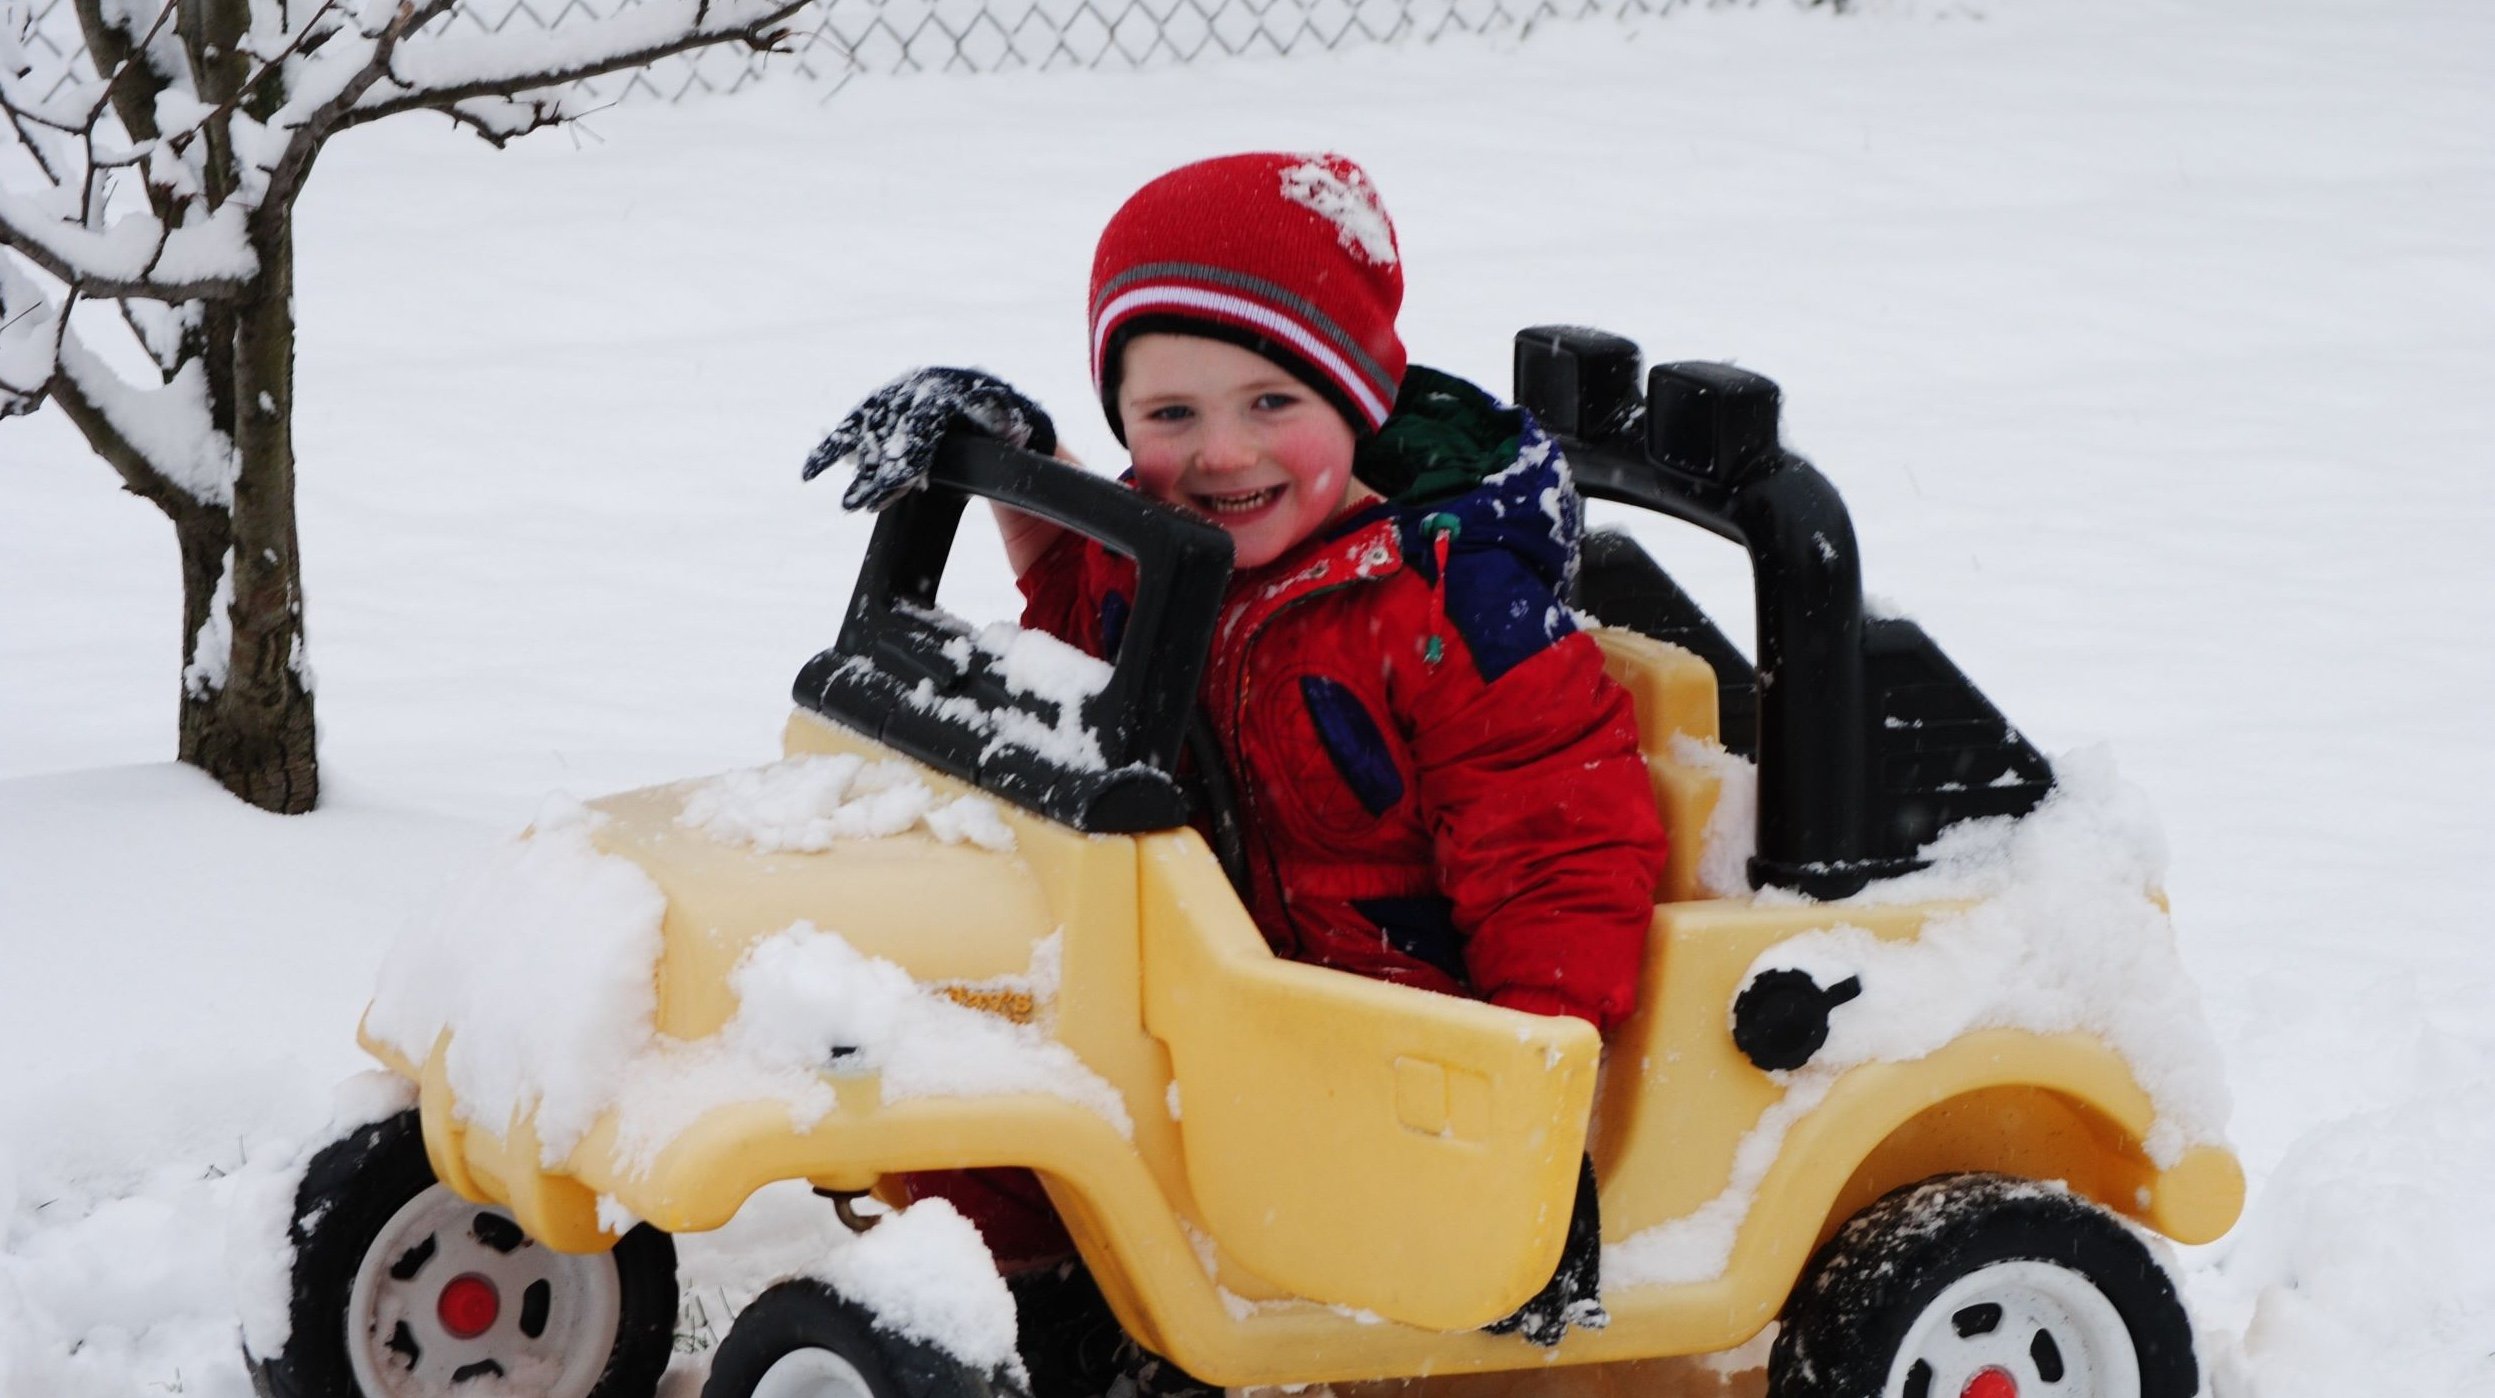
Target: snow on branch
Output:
{"points": [[158, 170], [160, 330], [500, 120], [449, 72], [132, 255], [161, 440], [94, 142], [211, 149], [169, 427], [29, 343]]}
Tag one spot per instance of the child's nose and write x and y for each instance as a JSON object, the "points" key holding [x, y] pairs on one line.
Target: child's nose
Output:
{"points": [[1228, 445]]}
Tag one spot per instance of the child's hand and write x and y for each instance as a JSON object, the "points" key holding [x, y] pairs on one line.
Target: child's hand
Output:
{"points": [[892, 436]]}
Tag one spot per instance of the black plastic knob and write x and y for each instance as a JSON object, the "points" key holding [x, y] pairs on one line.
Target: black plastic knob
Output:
{"points": [[1780, 1018]]}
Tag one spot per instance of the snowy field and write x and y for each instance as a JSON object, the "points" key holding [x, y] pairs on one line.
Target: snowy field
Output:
{"points": [[2149, 341]]}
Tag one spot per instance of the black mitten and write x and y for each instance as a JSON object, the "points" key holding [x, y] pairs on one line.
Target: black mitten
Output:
{"points": [[892, 436]]}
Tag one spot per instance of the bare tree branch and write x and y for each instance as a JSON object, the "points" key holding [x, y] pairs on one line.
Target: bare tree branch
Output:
{"points": [[500, 121], [25, 359], [220, 108], [137, 472], [107, 411], [635, 45], [159, 440], [162, 343], [26, 139], [47, 116], [181, 140], [17, 234], [117, 58], [89, 194], [287, 174]]}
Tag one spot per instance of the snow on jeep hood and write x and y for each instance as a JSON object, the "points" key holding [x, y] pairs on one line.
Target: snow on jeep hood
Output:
{"points": [[540, 966], [2061, 931], [544, 970], [807, 998]]}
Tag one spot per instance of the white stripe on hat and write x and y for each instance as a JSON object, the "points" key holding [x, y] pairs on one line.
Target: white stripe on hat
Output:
{"points": [[1309, 344]]}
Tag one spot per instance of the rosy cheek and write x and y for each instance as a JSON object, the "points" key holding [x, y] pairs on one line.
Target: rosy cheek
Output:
{"points": [[1157, 479], [1333, 470]]}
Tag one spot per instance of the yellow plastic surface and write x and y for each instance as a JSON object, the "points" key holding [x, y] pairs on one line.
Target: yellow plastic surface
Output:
{"points": [[1675, 695], [1354, 1142], [722, 898], [1673, 689], [1354, 1172], [1685, 795]]}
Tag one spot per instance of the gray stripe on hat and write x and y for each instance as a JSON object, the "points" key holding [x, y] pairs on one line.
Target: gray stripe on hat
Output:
{"points": [[1263, 290]]}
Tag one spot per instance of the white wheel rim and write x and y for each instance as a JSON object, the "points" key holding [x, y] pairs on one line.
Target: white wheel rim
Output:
{"points": [[813, 1373], [552, 1327], [2017, 1330]]}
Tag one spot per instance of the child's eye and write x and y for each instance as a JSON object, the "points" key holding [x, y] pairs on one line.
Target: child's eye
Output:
{"points": [[1275, 401], [1170, 412]]}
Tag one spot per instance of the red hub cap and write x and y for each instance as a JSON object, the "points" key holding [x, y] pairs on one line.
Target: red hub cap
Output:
{"points": [[1992, 1383], [469, 1305]]}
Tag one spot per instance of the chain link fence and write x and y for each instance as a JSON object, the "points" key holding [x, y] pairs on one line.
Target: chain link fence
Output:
{"points": [[834, 42]]}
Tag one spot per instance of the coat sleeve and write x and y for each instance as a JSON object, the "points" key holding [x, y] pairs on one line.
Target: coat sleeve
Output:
{"points": [[1061, 593], [1544, 829]]}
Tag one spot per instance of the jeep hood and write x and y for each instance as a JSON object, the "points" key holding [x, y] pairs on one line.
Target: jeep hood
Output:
{"points": [[943, 912]]}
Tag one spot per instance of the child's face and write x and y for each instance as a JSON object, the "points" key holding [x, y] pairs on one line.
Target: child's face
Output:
{"points": [[1231, 435]]}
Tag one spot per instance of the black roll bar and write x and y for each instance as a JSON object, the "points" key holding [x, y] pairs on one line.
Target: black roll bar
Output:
{"points": [[1702, 446]]}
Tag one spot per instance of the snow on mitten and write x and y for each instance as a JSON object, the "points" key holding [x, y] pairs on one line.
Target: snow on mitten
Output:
{"points": [[892, 436]]}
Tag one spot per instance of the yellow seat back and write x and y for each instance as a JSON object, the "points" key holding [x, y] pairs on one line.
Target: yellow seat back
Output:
{"points": [[1675, 695]]}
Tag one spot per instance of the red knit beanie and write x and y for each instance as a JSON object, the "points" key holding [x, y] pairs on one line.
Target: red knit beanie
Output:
{"points": [[1291, 256]]}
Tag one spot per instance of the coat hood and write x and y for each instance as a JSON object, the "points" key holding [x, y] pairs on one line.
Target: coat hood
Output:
{"points": [[1455, 463]]}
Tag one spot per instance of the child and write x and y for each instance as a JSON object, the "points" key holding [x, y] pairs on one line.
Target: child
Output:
{"points": [[1439, 786]]}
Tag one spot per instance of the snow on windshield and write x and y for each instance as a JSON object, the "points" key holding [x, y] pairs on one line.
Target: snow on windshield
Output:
{"points": [[1030, 663]]}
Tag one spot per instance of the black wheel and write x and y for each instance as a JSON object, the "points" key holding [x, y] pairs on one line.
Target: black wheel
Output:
{"points": [[1982, 1286], [403, 1289], [801, 1340]]}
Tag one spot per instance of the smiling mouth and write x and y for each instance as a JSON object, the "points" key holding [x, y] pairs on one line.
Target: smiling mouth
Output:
{"points": [[1239, 502]]}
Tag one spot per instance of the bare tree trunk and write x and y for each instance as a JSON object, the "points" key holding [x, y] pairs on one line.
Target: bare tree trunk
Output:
{"points": [[255, 732], [247, 713], [227, 375], [205, 535]]}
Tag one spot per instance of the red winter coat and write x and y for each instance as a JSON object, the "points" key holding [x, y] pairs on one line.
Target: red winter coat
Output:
{"points": [[1439, 785]]}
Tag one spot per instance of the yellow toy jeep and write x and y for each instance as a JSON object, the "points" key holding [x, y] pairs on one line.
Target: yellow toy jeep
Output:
{"points": [[1920, 1101]]}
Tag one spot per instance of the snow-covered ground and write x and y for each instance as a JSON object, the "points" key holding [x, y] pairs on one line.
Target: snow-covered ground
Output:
{"points": [[2149, 341]]}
